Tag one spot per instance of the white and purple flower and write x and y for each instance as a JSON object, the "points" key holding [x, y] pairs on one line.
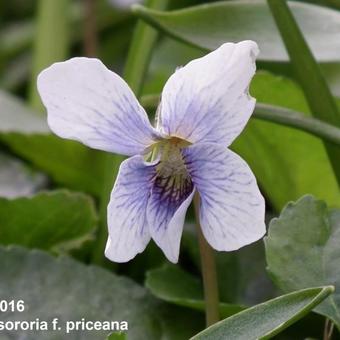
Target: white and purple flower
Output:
{"points": [[204, 107]]}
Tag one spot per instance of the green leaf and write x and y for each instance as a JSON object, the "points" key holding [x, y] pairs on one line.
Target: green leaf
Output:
{"points": [[307, 70], [180, 323], [309, 74], [302, 249], [16, 179], [65, 289], [267, 319], [47, 220], [174, 285], [51, 40], [117, 336], [67, 162], [209, 26], [279, 155]]}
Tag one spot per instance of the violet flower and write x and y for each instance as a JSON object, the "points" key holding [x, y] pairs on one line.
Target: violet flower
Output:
{"points": [[204, 107]]}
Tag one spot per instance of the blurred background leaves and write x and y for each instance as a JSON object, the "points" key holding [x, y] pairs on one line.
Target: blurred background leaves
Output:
{"points": [[35, 165]]}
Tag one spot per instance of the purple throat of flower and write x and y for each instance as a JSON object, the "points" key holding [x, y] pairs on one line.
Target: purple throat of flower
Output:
{"points": [[172, 181]]}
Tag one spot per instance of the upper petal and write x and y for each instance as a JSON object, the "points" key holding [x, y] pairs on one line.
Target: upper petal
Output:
{"points": [[87, 102], [232, 208], [128, 229], [207, 100]]}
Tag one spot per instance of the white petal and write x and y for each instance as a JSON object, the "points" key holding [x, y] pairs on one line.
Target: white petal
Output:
{"points": [[168, 237], [207, 100], [232, 208], [87, 102], [166, 211], [128, 229]]}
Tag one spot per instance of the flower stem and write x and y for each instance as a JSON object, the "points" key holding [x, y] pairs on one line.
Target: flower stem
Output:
{"points": [[90, 28], [209, 274], [328, 330], [138, 60]]}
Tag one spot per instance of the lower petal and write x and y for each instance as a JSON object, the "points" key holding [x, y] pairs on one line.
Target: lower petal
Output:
{"points": [[128, 229], [166, 211], [232, 208]]}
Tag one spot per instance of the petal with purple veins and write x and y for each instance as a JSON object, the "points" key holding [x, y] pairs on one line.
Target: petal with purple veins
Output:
{"points": [[128, 230], [207, 100], [232, 208], [87, 102], [171, 195]]}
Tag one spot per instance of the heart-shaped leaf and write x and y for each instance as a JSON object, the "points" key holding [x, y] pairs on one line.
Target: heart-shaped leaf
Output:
{"points": [[209, 26], [70, 291], [267, 319], [302, 250], [64, 289], [47, 220], [174, 285]]}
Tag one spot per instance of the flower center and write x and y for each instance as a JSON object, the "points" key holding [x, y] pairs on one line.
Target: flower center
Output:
{"points": [[172, 177]]}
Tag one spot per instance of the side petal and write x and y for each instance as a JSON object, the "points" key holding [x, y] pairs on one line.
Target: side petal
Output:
{"points": [[232, 208], [128, 229], [207, 100], [166, 211], [87, 102]]}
